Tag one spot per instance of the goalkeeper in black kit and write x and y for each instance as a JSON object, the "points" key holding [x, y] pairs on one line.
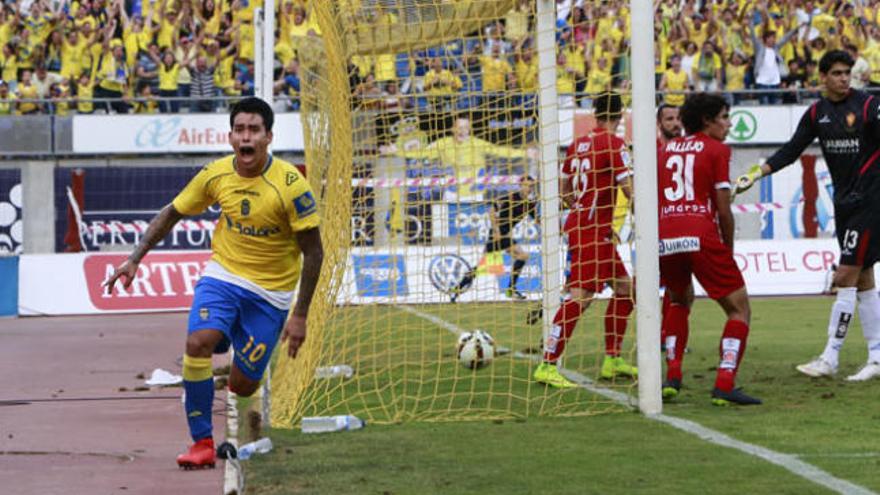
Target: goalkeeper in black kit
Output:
{"points": [[847, 123], [505, 212]]}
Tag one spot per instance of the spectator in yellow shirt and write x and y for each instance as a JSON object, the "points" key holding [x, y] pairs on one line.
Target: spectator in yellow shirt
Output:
{"points": [[73, 54], [146, 101], [526, 70], [674, 83], [85, 89], [494, 69], [872, 55], [26, 49], [168, 22], [565, 80], [60, 99], [112, 76], [137, 33], [169, 71], [707, 69], [441, 84], [735, 71], [516, 21], [9, 66], [208, 15], [598, 79], [7, 99], [27, 90]]}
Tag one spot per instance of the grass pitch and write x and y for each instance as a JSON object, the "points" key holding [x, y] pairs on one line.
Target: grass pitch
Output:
{"points": [[829, 423]]}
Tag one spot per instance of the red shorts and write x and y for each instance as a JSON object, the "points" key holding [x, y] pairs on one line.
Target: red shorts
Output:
{"points": [[594, 260], [710, 261]]}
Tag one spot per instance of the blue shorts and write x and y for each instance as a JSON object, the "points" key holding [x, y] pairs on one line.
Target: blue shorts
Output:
{"points": [[247, 320]]}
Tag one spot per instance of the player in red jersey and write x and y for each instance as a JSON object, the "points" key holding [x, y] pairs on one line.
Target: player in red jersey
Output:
{"points": [[669, 128], [696, 237], [595, 165]]}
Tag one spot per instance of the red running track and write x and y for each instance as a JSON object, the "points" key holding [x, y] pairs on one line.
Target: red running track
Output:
{"points": [[66, 427]]}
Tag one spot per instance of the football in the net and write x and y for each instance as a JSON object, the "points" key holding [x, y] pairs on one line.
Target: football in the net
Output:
{"points": [[475, 349]]}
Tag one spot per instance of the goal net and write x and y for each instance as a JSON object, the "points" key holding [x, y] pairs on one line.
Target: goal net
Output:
{"points": [[421, 121]]}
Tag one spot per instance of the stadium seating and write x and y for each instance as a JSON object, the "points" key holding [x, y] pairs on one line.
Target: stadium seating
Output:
{"points": [[179, 55]]}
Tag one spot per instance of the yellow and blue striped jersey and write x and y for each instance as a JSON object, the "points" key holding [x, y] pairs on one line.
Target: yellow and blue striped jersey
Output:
{"points": [[255, 235]]}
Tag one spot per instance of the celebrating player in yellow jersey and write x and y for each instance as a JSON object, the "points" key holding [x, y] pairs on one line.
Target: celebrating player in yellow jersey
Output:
{"points": [[268, 219]]}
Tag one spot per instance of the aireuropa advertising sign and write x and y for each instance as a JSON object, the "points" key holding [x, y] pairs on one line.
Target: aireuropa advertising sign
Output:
{"points": [[179, 133]]}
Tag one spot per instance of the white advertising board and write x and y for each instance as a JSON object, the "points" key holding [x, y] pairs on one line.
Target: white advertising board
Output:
{"points": [[207, 133], [177, 133]]}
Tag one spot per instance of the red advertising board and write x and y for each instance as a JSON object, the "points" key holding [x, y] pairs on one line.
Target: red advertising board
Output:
{"points": [[164, 281]]}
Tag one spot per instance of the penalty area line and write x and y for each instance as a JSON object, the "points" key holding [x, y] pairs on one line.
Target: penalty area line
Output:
{"points": [[789, 462]]}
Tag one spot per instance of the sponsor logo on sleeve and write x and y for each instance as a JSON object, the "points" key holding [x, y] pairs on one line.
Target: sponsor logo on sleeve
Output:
{"points": [[291, 178], [305, 204]]}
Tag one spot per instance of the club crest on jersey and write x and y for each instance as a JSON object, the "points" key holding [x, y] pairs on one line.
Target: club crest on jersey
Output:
{"points": [[304, 204], [850, 121], [245, 207], [291, 178]]}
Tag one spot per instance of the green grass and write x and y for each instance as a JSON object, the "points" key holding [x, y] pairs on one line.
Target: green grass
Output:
{"points": [[828, 423]]}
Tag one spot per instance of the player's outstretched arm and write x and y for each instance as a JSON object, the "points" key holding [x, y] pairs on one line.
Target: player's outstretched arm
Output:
{"points": [[159, 227], [803, 136], [745, 181], [313, 256]]}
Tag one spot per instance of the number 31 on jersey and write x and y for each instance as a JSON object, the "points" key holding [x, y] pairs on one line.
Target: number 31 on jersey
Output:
{"points": [[682, 177]]}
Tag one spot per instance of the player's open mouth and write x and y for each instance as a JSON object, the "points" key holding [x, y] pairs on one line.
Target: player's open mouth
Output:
{"points": [[247, 151]]}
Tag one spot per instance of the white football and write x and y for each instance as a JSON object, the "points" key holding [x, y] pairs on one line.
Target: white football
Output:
{"points": [[475, 349]]}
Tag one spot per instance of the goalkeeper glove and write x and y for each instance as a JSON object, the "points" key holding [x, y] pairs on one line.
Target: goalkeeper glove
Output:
{"points": [[745, 181]]}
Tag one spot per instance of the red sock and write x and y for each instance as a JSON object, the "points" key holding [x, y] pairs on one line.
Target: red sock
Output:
{"points": [[675, 321], [732, 348], [663, 311], [616, 318], [563, 325]]}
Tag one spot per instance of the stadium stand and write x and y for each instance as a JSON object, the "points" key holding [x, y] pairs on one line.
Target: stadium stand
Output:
{"points": [[62, 57]]}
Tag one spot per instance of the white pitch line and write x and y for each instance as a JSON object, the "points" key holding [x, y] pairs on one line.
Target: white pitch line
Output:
{"points": [[787, 461], [852, 455]]}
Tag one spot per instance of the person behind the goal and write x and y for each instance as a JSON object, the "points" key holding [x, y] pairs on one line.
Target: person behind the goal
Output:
{"points": [[594, 165], [505, 212], [696, 238]]}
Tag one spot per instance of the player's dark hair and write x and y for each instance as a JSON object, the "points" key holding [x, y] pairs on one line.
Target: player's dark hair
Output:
{"points": [[700, 107], [608, 106], [255, 105], [664, 106], [832, 57]]}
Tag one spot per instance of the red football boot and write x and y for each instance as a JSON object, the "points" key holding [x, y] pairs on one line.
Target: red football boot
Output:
{"points": [[200, 455]]}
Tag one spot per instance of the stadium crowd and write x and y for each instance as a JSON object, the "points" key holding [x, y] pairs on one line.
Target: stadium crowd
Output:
{"points": [[64, 56]]}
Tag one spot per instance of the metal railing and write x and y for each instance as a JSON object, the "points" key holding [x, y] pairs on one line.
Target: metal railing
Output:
{"points": [[416, 101]]}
